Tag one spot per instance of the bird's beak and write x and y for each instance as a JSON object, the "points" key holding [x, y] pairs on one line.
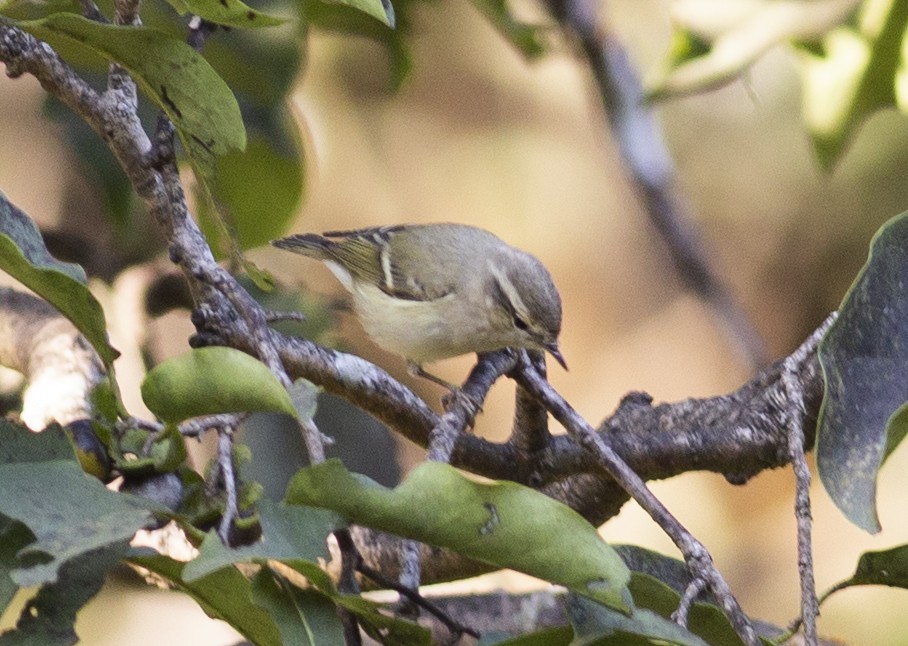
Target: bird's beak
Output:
{"points": [[555, 352]]}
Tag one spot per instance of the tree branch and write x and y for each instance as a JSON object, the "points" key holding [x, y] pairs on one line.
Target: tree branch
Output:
{"points": [[60, 365], [649, 164]]}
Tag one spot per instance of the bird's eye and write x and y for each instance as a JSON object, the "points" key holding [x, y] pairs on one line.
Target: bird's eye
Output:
{"points": [[520, 324]]}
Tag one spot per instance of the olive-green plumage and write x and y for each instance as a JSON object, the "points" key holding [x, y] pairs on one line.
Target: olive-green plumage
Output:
{"points": [[433, 291]]}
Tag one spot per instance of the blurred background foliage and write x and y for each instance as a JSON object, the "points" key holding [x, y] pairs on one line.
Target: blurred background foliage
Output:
{"points": [[445, 119]]}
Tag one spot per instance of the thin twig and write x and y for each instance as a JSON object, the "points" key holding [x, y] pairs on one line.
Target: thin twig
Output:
{"points": [[199, 425], [693, 590], [530, 433], [456, 629], [228, 477], [809, 604], [409, 576], [126, 12], [91, 11], [347, 583], [460, 415], [695, 553]]}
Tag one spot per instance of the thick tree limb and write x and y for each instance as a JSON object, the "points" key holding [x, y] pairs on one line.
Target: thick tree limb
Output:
{"points": [[60, 366]]}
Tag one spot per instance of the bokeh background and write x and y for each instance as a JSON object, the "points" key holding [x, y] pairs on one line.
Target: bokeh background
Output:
{"points": [[478, 135]]}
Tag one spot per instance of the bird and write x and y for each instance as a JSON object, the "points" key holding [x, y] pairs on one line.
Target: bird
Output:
{"points": [[433, 291]]}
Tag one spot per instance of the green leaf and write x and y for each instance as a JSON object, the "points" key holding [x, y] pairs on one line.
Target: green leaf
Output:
{"points": [[304, 617], [49, 618], [213, 380], [558, 636], [68, 511], [13, 537], [864, 357], [232, 13], [154, 453], [225, 594], [381, 10], [257, 190], [597, 624], [854, 77], [290, 532], [373, 617], [172, 74], [886, 567], [500, 523], [528, 39], [337, 18], [657, 583], [24, 257]]}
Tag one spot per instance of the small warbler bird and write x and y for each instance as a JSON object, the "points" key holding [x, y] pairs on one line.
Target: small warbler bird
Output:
{"points": [[433, 291]]}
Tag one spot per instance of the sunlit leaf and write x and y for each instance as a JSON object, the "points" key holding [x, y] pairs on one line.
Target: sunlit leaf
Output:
{"points": [[500, 523], [232, 13], [853, 77], [258, 190], [865, 365], [213, 380], [716, 41]]}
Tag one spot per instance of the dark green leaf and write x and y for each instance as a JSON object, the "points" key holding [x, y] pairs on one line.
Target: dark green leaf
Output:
{"points": [[657, 583], [24, 257], [501, 523], [887, 567], [225, 594], [172, 74], [232, 13], [289, 532], [161, 453], [49, 618], [13, 537], [373, 618], [68, 511], [597, 624], [213, 380], [865, 364], [304, 617], [262, 72], [559, 636]]}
